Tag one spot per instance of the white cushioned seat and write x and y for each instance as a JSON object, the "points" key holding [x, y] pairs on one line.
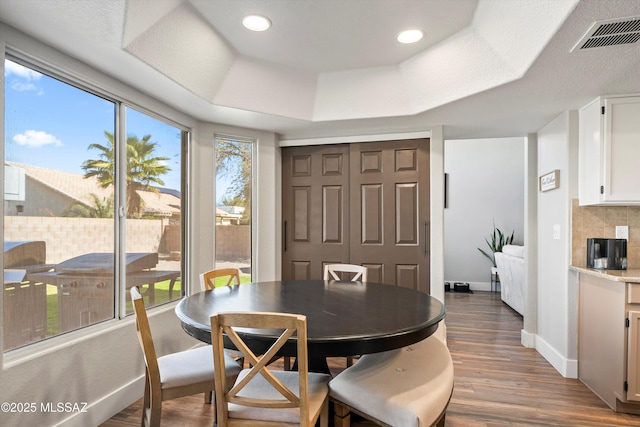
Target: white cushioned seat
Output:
{"points": [[513, 250], [258, 387], [510, 263], [191, 366], [408, 387]]}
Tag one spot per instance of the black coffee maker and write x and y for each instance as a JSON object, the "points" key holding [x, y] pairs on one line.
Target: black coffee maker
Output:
{"points": [[607, 254]]}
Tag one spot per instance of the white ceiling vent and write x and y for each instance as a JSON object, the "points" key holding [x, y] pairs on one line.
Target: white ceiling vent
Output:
{"points": [[611, 32]]}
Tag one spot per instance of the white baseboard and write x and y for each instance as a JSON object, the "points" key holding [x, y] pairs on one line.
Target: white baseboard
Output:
{"points": [[568, 368], [101, 410], [527, 339]]}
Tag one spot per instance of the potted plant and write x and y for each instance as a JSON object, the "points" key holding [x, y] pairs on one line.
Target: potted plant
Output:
{"points": [[495, 242]]}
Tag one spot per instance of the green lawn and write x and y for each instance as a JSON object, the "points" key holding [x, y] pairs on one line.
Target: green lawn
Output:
{"points": [[161, 295]]}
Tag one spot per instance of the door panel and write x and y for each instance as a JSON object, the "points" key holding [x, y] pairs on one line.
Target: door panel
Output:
{"points": [[375, 272], [371, 214], [315, 192], [302, 214], [407, 276], [406, 212], [390, 210], [332, 216], [633, 357]]}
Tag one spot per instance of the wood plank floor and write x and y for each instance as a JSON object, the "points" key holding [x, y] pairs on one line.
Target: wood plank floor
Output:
{"points": [[497, 381]]}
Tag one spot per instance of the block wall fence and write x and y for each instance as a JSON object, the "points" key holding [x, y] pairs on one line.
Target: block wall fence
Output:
{"points": [[69, 237]]}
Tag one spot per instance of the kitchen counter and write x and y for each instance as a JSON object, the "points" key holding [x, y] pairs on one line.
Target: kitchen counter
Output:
{"points": [[629, 275], [608, 333]]}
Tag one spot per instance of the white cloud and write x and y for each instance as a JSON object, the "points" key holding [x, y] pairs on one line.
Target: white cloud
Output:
{"points": [[18, 70], [22, 77], [23, 87], [36, 138]]}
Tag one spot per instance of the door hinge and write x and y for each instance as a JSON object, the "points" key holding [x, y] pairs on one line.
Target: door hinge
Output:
{"points": [[602, 109], [602, 189], [626, 386], [626, 322]]}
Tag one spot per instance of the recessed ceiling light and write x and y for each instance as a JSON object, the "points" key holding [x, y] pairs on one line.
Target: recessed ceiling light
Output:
{"points": [[410, 36], [256, 23]]}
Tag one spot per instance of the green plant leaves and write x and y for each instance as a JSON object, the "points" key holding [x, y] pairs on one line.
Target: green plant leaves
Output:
{"points": [[498, 240]]}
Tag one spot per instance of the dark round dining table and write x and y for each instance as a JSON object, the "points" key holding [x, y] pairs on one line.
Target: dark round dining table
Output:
{"points": [[343, 318]]}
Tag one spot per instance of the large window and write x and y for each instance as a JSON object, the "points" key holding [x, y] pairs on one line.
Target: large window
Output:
{"points": [[233, 204], [154, 232], [84, 176]]}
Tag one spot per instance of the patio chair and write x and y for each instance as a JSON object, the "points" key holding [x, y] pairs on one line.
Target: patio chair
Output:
{"points": [[260, 395], [175, 375]]}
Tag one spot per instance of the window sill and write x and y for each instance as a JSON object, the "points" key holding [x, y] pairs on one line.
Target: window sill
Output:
{"points": [[48, 346]]}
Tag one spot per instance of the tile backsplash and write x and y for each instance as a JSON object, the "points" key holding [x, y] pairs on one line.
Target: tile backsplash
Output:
{"points": [[601, 221]]}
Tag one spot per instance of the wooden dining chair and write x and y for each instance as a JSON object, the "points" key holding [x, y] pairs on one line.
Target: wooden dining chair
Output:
{"points": [[174, 375], [260, 395], [331, 270], [330, 273], [208, 277], [208, 280]]}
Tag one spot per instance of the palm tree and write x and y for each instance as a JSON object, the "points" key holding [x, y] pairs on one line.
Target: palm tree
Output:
{"points": [[143, 169]]}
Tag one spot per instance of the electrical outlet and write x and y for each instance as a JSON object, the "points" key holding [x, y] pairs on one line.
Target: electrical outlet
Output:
{"points": [[556, 231], [622, 232]]}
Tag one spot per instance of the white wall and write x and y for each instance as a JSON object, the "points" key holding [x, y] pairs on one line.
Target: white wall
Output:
{"points": [[485, 183], [530, 321], [557, 296]]}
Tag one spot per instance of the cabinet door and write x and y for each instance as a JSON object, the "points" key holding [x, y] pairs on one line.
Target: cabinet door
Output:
{"points": [[590, 153], [621, 150], [633, 357]]}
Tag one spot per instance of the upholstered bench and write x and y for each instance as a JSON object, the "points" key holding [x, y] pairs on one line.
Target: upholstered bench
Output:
{"points": [[408, 387]]}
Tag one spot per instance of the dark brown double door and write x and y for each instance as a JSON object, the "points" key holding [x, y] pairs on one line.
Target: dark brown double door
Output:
{"points": [[365, 204]]}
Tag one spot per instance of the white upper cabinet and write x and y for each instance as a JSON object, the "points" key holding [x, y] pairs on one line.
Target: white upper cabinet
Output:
{"points": [[609, 150]]}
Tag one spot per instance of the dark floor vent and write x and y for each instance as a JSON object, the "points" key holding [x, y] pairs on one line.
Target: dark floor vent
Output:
{"points": [[611, 33]]}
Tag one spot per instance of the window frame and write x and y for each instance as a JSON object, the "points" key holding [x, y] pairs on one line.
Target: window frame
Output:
{"points": [[254, 173], [121, 103]]}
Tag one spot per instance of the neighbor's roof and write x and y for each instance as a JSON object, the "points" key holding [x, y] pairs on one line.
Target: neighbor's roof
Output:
{"points": [[78, 188], [221, 213]]}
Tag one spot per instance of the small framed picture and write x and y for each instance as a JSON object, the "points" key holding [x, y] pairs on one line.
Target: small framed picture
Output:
{"points": [[550, 180]]}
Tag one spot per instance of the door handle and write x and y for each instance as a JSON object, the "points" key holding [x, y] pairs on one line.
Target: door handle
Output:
{"points": [[284, 236], [426, 232]]}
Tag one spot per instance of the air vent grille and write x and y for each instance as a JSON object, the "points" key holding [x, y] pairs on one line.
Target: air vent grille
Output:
{"points": [[611, 33]]}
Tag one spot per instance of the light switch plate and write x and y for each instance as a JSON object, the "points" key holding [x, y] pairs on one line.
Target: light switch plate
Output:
{"points": [[556, 231], [622, 232]]}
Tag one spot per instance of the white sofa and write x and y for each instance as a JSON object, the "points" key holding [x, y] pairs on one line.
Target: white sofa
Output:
{"points": [[510, 263]]}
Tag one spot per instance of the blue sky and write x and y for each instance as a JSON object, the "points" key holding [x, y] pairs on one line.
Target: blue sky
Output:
{"points": [[51, 124]]}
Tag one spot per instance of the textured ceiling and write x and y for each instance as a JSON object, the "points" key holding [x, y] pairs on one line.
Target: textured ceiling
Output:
{"points": [[325, 36], [484, 68], [328, 60]]}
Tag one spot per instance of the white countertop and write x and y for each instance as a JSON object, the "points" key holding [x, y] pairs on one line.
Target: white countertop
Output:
{"points": [[630, 275]]}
